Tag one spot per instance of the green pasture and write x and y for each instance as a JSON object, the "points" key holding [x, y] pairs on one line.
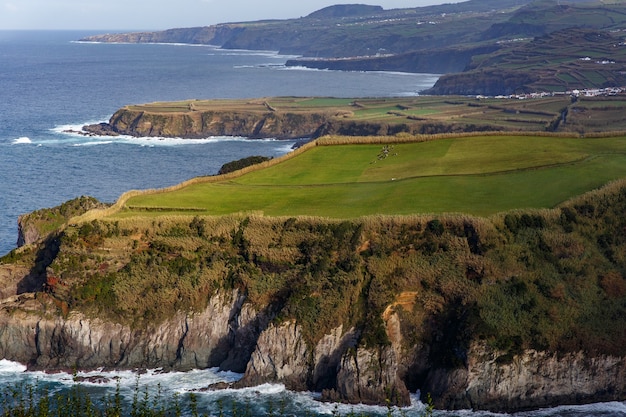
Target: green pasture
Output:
{"points": [[316, 102], [475, 175]]}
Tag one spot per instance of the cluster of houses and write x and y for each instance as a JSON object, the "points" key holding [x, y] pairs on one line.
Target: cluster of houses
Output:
{"points": [[590, 92]]}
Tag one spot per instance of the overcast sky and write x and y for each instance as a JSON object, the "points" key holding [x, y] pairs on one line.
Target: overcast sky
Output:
{"points": [[163, 14]]}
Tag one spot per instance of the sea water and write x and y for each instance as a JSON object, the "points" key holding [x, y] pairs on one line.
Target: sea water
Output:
{"points": [[51, 84]]}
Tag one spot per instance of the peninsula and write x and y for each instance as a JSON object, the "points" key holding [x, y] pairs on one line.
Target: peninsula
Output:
{"points": [[597, 110], [322, 271]]}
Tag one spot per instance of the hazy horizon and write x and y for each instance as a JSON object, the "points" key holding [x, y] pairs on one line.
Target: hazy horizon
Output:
{"points": [[160, 14]]}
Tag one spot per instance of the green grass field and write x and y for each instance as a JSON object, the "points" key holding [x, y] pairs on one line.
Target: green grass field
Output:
{"points": [[474, 175]]}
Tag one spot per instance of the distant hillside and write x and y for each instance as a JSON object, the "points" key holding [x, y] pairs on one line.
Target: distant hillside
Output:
{"points": [[346, 30], [471, 36], [561, 61], [345, 10]]}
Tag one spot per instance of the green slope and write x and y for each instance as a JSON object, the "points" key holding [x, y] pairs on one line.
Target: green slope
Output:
{"points": [[476, 175]]}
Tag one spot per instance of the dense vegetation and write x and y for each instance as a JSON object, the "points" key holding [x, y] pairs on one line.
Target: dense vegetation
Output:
{"points": [[550, 280], [241, 163], [41, 222]]}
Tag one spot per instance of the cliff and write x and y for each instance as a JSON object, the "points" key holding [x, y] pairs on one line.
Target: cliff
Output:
{"points": [[202, 124], [35, 226], [438, 61], [518, 311], [487, 45], [206, 35], [251, 124], [345, 30], [289, 117]]}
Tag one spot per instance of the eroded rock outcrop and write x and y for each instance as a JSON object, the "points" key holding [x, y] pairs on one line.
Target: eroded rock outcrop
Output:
{"points": [[202, 124], [228, 334], [183, 342], [529, 380]]}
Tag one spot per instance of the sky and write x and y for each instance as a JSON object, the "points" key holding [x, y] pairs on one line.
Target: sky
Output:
{"points": [[163, 14]]}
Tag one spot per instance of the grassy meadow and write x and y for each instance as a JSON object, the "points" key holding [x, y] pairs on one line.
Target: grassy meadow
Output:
{"points": [[479, 175]]}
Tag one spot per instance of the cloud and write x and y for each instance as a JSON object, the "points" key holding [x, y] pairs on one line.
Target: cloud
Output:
{"points": [[11, 7]]}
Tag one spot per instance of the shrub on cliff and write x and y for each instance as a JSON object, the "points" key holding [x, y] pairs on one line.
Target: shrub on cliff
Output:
{"points": [[241, 163], [40, 223]]}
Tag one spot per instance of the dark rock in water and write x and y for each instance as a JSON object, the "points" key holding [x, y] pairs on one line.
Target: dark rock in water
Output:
{"points": [[218, 386], [96, 379], [99, 129]]}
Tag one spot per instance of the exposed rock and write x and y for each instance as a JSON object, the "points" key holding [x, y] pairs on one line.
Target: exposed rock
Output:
{"points": [[206, 35], [281, 355], [201, 124], [16, 279], [438, 61], [530, 380], [228, 330], [370, 376], [542, 379], [328, 355], [99, 129], [183, 342]]}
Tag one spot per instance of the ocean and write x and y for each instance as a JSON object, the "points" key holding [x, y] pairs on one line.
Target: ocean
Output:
{"points": [[49, 84]]}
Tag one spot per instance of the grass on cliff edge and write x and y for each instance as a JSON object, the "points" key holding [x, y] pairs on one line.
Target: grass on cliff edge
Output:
{"points": [[474, 175]]}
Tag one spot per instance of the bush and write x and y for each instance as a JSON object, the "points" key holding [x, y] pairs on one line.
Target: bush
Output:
{"points": [[241, 163]]}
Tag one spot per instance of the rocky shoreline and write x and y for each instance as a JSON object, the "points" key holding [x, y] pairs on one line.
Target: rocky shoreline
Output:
{"points": [[230, 335]]}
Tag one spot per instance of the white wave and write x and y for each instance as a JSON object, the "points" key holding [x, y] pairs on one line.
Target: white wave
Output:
{"points": [[180, 382], [248, 52], [301, 68], [11, 367], [595, 409], [77, 137], [74, 129], [22, 141], [104, 142], [148, 43]]}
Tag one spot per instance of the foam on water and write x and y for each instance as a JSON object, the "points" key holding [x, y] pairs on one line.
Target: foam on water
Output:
{"points": [[8, 367], [73, 134], [22, 141], [260, 398]]}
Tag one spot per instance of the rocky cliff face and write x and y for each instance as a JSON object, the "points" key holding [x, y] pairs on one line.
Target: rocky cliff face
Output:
{"points": [[205, 35], [440, 61], [229, 334], [279, 125], [530, 380], [218, 336], [198, 124]]}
